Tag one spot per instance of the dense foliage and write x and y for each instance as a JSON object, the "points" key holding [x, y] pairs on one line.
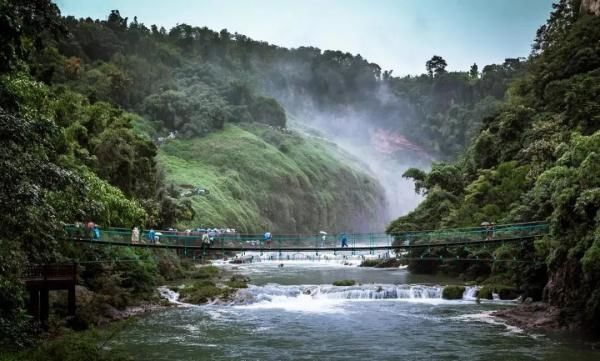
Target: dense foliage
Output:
{"points": [[537, 158], [192, 80], [89, 109], [262, 178]]}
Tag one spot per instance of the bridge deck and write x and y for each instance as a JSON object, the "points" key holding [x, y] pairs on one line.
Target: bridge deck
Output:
{"points": [[291, 248]]}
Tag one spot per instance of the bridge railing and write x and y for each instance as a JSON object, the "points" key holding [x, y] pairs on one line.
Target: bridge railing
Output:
{"points": [[50, 271], [472, 234], [283, 241]]}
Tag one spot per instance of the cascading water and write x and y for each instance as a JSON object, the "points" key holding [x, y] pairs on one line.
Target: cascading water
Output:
{"points": [[471, 293], [348, 258], [389, 314], [274, 293], [362, 292], [169, 295]]}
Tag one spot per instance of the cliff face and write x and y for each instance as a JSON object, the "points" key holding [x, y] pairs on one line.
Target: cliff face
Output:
{"points": [[590, 7]]}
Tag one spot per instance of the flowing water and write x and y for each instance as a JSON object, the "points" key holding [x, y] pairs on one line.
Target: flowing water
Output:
{"points": [[294, 313]]}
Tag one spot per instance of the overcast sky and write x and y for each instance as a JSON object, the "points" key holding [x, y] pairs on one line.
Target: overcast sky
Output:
{"points": [[396, 34]]}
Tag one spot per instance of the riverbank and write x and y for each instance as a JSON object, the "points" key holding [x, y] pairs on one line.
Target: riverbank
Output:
{"points": [[100, 315], [536, 316]]}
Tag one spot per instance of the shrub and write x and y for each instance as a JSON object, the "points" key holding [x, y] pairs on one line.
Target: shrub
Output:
{"points": [[71, 347]]}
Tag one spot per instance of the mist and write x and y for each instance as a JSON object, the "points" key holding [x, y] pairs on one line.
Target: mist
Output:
{"points": [[374, 131], [381, 153]]}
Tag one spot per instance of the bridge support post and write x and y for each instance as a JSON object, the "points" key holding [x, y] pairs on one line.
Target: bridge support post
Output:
{"points": [[44, 306], [34, 304], [71, 301]]}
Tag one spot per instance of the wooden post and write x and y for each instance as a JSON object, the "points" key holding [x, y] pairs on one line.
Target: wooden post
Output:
{"points": [[44, 306], [34, 303], [71, 300]]}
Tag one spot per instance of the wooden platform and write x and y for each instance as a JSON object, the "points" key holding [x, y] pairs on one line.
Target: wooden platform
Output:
{"points": [[41, 279]]}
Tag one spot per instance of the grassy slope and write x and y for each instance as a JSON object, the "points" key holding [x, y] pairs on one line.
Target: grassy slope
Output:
{"points": [[261, 178]]}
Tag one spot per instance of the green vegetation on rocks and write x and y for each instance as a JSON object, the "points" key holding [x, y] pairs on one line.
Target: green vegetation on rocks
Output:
{"points": [[503, 292], [381, 263], [203, 272], [201, 292], [344, 283], [370, 263], [70, 346], [208, 284], [453, 292], [485, 292], [238, 281]]}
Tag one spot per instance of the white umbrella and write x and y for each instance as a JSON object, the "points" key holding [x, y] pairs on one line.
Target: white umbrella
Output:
{"points": [[323, 232]]}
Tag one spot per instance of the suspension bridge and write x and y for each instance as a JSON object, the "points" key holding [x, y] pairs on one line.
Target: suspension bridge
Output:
{"points": [[440, 244]]}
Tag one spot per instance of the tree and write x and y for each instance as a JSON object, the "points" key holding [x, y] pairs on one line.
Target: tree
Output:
{"points": [[30, 229], [20, 18], [474, 72], [268, 111], [436, 65]]}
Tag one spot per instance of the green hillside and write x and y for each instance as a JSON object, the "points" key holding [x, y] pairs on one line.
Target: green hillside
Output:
{"points": [[264, 178]]}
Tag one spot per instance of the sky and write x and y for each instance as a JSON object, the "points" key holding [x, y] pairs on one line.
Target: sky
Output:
{"points": [[399, 35]]}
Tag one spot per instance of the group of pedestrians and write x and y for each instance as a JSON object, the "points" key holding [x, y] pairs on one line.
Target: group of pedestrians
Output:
{"points": [[88, 229], [207, 236], [268, 238]]}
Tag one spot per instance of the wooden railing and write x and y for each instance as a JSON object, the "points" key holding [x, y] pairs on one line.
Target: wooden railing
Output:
{"points": [[50, 272]]}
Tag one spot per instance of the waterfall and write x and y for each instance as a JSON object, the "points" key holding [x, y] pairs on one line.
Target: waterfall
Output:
{"points": [[169, 295], [362, 292], [471, 293], [346, 257]]}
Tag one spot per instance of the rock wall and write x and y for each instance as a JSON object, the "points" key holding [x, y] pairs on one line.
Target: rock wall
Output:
{"points": [[590, 7]]}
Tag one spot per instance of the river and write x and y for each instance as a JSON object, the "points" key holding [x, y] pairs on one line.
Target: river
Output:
{"points": [[297, 315]]}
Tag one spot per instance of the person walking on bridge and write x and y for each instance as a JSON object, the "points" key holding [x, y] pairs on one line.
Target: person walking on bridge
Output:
{"points": [[135, 235], [267, 238], [89, 226], [96, 232], [490, 231], [323, 238], [344, 240], [151, 235]]}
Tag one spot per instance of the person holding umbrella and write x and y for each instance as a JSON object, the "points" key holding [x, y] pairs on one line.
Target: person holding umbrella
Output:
{"points": [[487, 230], [323, 238], [267, 238]]}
